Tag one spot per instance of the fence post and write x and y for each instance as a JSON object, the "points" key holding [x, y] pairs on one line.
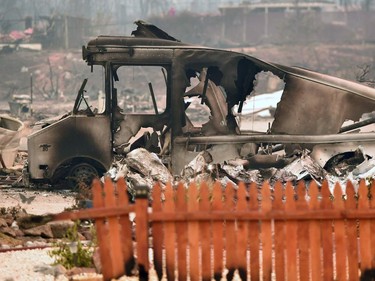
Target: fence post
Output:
{"points": [[102, 233], [141, 230], [113, 230]]}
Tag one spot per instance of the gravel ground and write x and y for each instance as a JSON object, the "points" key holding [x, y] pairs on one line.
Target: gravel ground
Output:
{"points": [[28, 265], [33, 265]]}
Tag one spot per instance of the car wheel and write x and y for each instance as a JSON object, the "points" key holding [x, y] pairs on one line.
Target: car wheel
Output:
{"points": [[80, 176]]}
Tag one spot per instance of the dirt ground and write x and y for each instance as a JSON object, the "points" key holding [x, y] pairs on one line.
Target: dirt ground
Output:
{"points": [[36, 202]]}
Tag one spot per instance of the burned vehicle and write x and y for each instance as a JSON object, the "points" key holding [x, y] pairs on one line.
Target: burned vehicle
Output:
{"points": [[150, 82]]}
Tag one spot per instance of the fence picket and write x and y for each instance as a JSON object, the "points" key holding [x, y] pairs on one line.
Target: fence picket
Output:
{"points": [[114, 230], [291, 237], [303, 234], [193, 237], [126, 228], [170, 233], [141, 237], [279, 235], [242, 233], [254, 234], [205, 232], [181, 231], [340, 235], [217, 231], [351, 230], [326, 230], [315, 235], [266, 232], [102, 232], [364, 228], [230, 233], [157, 231], [309, 237]]}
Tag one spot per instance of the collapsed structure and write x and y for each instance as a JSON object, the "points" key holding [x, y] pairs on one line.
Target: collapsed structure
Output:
{"points": [[147, 89]]}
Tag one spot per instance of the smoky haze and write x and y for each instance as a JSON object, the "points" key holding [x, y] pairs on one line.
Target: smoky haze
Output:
{"points": [[214, 23], [332, 37]]}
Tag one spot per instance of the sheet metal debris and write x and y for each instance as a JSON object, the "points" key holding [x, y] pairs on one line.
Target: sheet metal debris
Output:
{"points": [[142, 167]]}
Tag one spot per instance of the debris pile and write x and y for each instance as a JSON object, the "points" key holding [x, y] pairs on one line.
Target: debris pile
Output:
{"points": [[20, 229], [141, 167]]}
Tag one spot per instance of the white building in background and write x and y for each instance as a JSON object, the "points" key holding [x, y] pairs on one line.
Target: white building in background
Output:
{"points": [[201, 6]]}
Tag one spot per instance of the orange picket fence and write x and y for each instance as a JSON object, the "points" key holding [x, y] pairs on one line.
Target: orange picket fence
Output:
{"points": [[205, 232]]}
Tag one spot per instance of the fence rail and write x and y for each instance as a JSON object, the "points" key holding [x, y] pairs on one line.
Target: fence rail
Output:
{"points": [[262, 233]]}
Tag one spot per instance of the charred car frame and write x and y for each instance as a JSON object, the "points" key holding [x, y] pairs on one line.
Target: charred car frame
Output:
{"points": [[310, 114]]}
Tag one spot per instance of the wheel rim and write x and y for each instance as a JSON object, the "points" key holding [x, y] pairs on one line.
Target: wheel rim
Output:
{"points": [[81, 175]]}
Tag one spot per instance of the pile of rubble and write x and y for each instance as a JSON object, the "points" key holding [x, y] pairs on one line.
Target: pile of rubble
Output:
{"points": [[141, 167], [20, 229]]}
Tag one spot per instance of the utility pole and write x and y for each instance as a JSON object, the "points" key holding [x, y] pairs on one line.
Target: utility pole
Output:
{"points": [[66, 41], [31, 94]]}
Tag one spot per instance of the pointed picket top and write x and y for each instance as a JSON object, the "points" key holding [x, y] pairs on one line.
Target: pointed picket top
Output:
{"points": [[204, 202], [301, 195], [266, 197], [338, 201], [110, 193], [241, 196], [314, 202], [326, 196], [193, 196], [253, 200], [229, 197], [181, 197], [217, 196], [122, 192], [97, 191], [363, 202], [351, 196], [156, 197], [290, 203], [278, 194], [169, 196]]}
